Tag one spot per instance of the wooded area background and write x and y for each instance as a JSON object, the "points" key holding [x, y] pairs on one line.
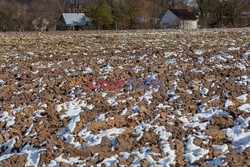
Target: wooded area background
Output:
{"points": [[30, 15]]}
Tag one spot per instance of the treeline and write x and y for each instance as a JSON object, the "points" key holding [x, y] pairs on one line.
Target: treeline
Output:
{"points": [[218, 13], [129, 14], [30, 15]]}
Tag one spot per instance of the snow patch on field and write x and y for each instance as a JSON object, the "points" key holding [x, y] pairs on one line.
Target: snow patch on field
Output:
{"points": [[192, 152], [238, 134], [219, 161], [4, 117], [245, 107]]}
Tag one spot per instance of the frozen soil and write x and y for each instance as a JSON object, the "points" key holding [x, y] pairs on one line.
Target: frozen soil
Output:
{"points": [[200, 117]]}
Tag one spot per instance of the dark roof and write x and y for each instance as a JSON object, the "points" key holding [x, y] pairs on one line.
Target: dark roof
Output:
{"points": [[184, 14]]}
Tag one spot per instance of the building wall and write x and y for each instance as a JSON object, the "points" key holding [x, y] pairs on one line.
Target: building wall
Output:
{"points": [[188, 24], [169, 20]]}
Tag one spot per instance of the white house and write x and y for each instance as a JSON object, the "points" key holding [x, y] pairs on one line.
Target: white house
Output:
{"points": [[179, 18]]}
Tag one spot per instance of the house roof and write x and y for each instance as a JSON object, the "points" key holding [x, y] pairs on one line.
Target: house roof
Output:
{"points": [[184, 14], [75, 19]]}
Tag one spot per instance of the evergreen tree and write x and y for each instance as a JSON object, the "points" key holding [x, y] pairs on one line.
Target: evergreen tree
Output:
{"points": [[101, 15]]}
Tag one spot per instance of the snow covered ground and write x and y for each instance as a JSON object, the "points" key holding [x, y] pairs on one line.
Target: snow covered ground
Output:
{"points": [[200, 116]]}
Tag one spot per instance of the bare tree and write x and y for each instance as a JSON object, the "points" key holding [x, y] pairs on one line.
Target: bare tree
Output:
{"points": [[183, 3], [217, 13], [10, 16], [234, 9], [127, 12]]}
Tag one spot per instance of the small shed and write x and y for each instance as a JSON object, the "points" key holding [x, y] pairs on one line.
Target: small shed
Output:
{"points": [[179, 18], [72, 21]]}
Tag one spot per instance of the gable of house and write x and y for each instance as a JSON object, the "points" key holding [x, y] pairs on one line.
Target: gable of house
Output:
{"points": [[169, 19]]}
